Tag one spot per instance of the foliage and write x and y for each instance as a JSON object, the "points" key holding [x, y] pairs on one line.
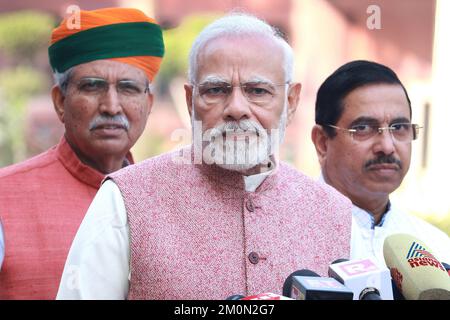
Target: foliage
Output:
{"points": [[23, 33], [16, 86], [178, 42], [23, 36]]}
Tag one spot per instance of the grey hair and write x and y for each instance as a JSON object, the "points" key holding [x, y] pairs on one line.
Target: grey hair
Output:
{"points": [[239, 24], [62, 79]]}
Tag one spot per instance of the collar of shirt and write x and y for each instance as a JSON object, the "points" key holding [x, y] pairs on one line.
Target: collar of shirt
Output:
{"points": [[365, 219], [254, 181], [79, 170], [230, 178]]}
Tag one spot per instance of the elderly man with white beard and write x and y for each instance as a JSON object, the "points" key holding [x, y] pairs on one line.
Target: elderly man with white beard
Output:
{"points": [[228, 217]]}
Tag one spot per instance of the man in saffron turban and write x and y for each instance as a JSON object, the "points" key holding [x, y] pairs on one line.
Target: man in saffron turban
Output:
{"points": [[103, 69]]}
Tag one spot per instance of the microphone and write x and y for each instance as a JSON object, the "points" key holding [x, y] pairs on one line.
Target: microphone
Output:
{"points": [[446, 266], [339, 261], [416, 272], [235, 297], [266, 296], [287, 286], [396, 291], [364, 278], [308, 285]]}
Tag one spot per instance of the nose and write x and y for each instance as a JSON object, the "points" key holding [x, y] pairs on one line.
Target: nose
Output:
{"points": [[110, 102], [384, 143], [237, 107]]}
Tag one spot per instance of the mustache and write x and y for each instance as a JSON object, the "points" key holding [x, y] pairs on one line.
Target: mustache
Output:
{"points": [[238, 126], [102, 120], [383, 159]]}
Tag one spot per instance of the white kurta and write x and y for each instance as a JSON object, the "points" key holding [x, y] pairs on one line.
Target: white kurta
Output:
{"points": [[368, 239], [98, 264]]}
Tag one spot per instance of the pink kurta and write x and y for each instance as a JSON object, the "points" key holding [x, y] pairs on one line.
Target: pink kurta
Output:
{"points": [[42, 203], [197, 234]]}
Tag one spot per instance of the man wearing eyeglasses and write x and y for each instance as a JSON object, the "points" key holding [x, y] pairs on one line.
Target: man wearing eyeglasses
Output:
{"points": [[229, 218], [103, 68], [363, 138]]}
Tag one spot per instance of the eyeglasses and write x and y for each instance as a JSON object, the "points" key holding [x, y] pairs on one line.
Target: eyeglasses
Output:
{"points": [[401, 132], [98, 87], [254, 92]]}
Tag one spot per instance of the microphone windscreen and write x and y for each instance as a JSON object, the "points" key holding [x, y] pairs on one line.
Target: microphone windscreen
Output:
{"points": [[416, 272], [287, 286]]}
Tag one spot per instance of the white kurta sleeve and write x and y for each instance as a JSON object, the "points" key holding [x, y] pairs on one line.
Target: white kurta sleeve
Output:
{"points": [[98, 263]]}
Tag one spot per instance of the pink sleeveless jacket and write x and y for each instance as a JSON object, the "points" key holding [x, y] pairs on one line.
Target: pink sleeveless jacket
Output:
{"points": [[197, 234]]}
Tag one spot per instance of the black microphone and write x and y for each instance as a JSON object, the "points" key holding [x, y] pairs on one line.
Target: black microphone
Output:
{"points": [[370, 293], [308, 285], [287, 286], [235, 297]]}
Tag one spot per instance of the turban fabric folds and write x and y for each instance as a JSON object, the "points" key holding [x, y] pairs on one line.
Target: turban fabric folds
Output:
{"points": [[118, 34]]}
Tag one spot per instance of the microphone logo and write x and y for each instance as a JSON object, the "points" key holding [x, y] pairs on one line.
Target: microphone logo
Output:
{"points": [[323, 283], [397, 277], [353, 268], [419, 256]]}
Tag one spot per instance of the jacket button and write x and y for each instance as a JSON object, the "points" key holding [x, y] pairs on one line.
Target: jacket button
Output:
{"points": [[249, 205], [253, 257]]}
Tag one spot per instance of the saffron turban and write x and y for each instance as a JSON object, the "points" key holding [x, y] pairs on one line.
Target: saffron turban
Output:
{"points": [[118, 34]]}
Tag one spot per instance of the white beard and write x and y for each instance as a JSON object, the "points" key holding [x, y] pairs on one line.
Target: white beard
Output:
{"points": [[240, 146]]}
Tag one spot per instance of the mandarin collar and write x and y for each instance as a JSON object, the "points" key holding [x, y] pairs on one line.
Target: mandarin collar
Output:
{"points": [[234, 179], [366, 219], [78, 169]]}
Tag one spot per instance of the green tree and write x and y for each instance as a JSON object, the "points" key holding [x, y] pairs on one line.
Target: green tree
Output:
{"points": [[23, 37], [24, 33], [177, 43], [17, 85]]}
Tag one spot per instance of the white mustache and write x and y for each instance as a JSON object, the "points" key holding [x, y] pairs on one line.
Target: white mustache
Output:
{"points": [[116, 120], [243, 126]]}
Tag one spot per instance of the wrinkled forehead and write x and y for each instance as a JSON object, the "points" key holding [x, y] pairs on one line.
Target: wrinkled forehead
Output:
{"points": [[241, 58]]}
